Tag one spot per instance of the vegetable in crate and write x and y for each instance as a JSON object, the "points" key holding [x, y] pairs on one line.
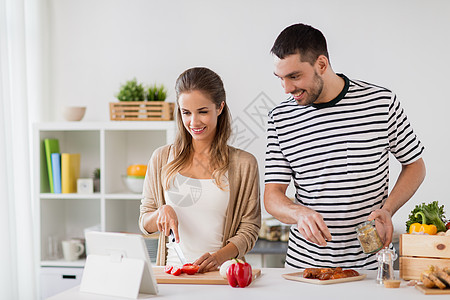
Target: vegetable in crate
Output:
{"points": [[422, 227], [434, 215]]}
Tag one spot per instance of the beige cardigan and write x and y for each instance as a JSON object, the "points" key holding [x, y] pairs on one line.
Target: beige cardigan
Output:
{"points": [[243, 217]]}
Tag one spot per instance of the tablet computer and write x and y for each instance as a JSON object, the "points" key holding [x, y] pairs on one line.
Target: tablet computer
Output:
{"points": [[117, 264]]}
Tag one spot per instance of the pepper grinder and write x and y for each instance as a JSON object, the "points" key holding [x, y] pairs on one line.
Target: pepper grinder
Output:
{"points": [[386, 258]]}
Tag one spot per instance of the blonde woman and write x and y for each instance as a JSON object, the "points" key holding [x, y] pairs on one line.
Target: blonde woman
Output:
{"points": [[202, 189]]}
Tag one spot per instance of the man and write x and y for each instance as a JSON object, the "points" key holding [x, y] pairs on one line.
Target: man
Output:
{"points": [[332, 137]]}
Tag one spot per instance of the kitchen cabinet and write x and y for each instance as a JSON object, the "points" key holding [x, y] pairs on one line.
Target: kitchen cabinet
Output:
{"points": [[267, 254], [110, 146], [54, 280]]}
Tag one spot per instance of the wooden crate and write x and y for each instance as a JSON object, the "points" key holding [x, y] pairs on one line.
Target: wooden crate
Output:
{"points": [[419, 252], [141, 111]]}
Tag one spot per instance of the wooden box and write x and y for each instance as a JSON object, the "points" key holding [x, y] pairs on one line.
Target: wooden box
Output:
{"points": [[419, 252], [141, 111]]}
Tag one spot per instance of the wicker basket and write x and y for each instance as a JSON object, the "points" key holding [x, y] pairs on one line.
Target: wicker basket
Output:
{"points": [[141, 111]]}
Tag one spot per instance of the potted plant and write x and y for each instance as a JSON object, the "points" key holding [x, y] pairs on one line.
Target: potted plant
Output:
{"points": [[131, 91], [96, 177], [133, 107], [156, 93]]}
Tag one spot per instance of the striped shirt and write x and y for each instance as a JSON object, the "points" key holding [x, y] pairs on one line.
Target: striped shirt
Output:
{"points": [[337, 155]]}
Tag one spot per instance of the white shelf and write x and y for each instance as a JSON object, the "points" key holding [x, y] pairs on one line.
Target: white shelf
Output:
{"points": [[69, 196], [118, 196], [64, 263], [108, 125], [111, 146]]}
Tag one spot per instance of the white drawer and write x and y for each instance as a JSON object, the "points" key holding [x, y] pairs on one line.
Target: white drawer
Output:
{"points": [[55, 280]]}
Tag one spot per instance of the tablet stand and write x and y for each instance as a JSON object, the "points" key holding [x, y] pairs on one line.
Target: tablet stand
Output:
{"points": [[113, 275]]}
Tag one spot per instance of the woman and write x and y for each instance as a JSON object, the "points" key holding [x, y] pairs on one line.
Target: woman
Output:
{"points": [[203, 190]]}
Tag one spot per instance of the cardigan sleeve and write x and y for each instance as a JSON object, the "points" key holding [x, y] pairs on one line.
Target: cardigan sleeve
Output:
{"points": [[152, 187], [247, 213]]}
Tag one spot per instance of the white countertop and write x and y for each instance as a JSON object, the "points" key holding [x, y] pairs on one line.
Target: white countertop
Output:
{"points": [[270, 285]]}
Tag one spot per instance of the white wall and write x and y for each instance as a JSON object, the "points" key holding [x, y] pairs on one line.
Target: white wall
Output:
{"points": [[96, 45]]}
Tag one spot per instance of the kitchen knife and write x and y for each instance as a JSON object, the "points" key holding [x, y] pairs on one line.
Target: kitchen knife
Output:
{"points": [[177, 248]]}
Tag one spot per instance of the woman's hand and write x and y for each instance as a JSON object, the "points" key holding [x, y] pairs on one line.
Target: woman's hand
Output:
{"points": [[207, 262], [167, 220]]}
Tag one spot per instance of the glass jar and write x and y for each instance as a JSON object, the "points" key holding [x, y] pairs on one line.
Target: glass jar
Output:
{"points": [[285, 233], [368, 237]]}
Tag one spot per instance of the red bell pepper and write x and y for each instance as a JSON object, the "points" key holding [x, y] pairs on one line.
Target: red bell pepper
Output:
{"points": [[239, 274]]}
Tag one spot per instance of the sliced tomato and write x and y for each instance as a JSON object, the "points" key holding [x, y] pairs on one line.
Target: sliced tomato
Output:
{"points": [[168, 269], [190, 269], [176, 271]]}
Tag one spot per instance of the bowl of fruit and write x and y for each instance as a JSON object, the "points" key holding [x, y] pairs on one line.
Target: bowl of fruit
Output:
{"points": [[134, 180]]}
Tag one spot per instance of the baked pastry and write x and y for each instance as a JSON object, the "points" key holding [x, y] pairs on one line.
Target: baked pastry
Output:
{"points": [[436, 277]]}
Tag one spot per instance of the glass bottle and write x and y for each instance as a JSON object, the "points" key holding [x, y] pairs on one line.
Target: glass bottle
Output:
{"points": [[386, 258]]}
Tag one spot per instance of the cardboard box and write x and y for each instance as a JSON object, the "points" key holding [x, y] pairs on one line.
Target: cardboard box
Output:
{"points": [[419, 252]]}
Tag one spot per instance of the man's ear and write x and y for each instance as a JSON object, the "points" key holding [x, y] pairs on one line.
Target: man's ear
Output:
{"points": [[322, 64]]}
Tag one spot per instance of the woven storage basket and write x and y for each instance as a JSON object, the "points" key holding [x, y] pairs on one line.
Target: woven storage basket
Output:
{"points": [[141, 111]]}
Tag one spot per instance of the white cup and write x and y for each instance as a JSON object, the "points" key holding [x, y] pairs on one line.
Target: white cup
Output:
{"points": [[72, 249]]}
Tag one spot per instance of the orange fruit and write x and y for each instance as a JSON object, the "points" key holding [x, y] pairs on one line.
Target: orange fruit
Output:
{"points": [[136, 170]]}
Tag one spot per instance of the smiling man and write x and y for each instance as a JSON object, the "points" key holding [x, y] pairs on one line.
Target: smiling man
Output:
{"points": [[332, 138]]}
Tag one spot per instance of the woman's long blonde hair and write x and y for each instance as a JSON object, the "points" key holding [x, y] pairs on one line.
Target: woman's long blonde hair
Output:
{"points": [[211, 85]]}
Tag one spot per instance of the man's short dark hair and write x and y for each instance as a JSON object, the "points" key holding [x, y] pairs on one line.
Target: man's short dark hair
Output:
{"points": [[300, 39]]}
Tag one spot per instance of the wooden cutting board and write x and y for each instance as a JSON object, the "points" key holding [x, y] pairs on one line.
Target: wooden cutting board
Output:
{"points": [[428, 291], [199, 278], [298, 276]]}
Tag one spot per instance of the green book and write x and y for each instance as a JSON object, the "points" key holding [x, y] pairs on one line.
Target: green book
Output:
{"points": [[50, 146]]}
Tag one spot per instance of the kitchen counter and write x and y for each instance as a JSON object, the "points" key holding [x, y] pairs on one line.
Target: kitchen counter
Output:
{"points": [[272, 286]]}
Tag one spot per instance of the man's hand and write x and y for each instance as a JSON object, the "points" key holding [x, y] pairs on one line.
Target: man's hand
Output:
{"points": [[383, 223], [312, 227], [310, 223]]}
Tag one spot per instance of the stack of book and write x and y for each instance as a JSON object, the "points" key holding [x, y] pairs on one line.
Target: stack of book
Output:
{"points": [[63, 168]]}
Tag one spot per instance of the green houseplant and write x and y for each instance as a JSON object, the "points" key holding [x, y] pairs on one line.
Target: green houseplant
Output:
{"points": [[156, 93], [137, 103], [96, 177], [131, 91]]}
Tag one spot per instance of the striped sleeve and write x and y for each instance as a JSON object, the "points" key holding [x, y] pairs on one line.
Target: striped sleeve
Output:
{"points": [[403, 142], [277, 168]]}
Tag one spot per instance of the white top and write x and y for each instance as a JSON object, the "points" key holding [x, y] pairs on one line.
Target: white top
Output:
{"points": [[337, 155], [201, 207]]}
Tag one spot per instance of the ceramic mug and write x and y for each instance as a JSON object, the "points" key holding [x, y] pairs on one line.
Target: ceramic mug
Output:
{"points": [[72, 249]]}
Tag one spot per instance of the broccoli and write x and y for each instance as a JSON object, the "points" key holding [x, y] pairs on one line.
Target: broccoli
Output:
{"points": [[434, 214]]}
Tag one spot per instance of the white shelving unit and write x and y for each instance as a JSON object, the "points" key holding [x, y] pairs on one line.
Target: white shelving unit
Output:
{"points": [[110, 146]]}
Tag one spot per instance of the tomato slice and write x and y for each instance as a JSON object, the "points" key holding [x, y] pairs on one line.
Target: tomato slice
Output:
{"points": [[176, 271], [168, 269], [190, 269]]}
